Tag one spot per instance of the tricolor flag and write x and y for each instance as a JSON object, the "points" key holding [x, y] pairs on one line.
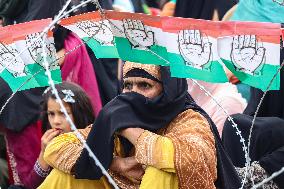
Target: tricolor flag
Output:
{"points": [[138, 37], [192, 49], [251, 51], [94, 31], [16, 68]]}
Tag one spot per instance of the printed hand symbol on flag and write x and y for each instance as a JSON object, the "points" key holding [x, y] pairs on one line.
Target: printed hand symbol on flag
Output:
{"points": [[8, 61], [137, 34], [246, 53], [35, 49], [100, 31], [194, 47]]}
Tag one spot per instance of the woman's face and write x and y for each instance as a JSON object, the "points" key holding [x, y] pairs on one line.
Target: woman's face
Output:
{"points": [[143, 86], [56, 118]]}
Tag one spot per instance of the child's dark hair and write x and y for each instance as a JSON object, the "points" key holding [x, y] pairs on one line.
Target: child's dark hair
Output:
{"points": [[81, 109]]}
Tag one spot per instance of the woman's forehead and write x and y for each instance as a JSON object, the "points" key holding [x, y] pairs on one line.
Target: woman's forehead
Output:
{"points": [[138, 79], [153, 70]]}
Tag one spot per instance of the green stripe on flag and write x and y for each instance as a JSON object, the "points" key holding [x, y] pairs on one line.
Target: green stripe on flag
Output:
{"points": [[261, 81], [100, 50], [39, 80], [128, 53], [213, 73]]}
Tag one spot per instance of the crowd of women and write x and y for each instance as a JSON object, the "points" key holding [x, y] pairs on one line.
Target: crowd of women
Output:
{"points": [[147, 129]]}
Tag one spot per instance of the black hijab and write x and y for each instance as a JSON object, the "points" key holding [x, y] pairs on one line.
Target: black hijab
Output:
{"points": [[22, 110], [267, 143], [134, 110], [106, 72]]}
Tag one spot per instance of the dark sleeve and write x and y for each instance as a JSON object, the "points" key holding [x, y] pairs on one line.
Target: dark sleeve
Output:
{"points": [[274, 162]]}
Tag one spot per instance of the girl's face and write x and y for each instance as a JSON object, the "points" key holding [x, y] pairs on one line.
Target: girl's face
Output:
{"points": [[57, 118]]}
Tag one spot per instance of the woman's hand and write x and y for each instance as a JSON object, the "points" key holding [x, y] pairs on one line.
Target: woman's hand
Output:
{"points": [[132, 134], [128, 167], [45, 139]]}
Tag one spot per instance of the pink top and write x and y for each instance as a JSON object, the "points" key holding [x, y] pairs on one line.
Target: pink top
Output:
{"points": [[225, 93], [78, 68]]}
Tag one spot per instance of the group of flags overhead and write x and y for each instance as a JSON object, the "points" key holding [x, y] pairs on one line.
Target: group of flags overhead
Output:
{"points": [[198, 49], [21, 60]]}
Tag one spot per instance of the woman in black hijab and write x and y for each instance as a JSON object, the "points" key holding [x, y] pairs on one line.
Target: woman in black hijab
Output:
{"points": [[153, 107]]}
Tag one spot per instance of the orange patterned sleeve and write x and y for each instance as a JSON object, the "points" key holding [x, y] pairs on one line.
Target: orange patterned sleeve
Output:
{"points": [[64, 150], [155, 150]]}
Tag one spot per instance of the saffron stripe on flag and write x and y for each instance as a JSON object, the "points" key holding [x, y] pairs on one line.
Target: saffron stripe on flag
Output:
{"points": [[94, 31], [138, 37], [15, 71], [251, 51], [192, 49]]}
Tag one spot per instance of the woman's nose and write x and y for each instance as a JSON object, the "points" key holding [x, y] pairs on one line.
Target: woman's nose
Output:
{"points": [[135, 89]]}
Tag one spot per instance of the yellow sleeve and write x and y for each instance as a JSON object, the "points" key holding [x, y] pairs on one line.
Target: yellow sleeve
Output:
{"points": [[156, 151], [64, 150], [58, 180]]}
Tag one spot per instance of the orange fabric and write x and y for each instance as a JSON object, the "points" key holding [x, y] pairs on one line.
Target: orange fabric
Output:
{"points": [[194, 153]]}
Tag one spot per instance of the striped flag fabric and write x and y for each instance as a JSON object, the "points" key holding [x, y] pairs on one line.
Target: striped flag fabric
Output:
{"points": [[192, 49], [95, 31], [251, 51], [16, 68], [138, 37]]}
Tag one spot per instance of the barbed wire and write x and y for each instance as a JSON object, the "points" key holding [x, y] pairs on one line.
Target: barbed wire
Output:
{"points": [[275, 174]]}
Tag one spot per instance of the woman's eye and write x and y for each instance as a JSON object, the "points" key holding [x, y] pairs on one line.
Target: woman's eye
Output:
{"points": [[144, 85], [127, 86]]}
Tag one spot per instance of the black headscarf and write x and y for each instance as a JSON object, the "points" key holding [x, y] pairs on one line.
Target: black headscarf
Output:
{"points": [[106, 73], [22, 110], [135, 110], [267, 143]]}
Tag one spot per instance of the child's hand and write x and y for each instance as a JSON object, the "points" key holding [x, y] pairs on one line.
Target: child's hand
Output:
{"points": [[45, 139]]}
